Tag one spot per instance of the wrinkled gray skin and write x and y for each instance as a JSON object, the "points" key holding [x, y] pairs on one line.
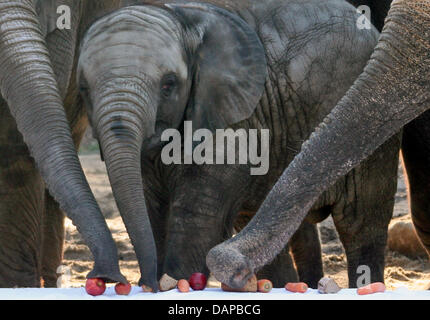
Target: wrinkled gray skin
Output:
{"points": [[41, 118], [415, 146], [393, 89], [143, 69]]}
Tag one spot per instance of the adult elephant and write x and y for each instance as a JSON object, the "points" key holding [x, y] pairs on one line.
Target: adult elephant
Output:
{"points": [[219, 64], [41, 118], [415, 144], [392, 91]]}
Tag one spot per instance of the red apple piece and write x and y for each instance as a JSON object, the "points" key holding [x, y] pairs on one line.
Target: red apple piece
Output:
{"points": [[197, 281], [123, 289], [95, 286]]}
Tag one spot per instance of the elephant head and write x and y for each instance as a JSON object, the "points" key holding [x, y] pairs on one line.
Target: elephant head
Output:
{"points": [[144, 69], [393, 89], [29, 86]]}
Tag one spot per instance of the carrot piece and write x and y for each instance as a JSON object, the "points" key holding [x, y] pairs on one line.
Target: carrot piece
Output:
{"points": [[371, 288], [145, 288], [300, 287], [364, 290], [378, 287], [183, 285], [264, 285]]}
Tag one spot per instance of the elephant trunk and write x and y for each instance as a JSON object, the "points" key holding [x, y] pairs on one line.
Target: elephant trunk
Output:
{"points": [[123, 118], [28, 85], [392, 90], [194, 227], [201, 214]]}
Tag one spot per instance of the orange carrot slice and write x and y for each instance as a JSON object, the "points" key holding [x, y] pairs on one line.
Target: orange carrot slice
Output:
{"points": [[146, 288], [300, 287], [183, 285], [371, 288], [264, 285]]}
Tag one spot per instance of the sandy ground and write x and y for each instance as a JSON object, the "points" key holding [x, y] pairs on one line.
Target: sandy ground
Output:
{"points": [[410, 269]]}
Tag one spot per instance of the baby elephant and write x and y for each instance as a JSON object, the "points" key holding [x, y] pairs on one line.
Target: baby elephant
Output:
{"points": [[275, 67]]}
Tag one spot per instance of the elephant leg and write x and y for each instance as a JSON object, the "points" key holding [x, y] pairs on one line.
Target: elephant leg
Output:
{"points": [[306, 248], [363, 242], [281, 270], [53, 241], [416, 161], [363, 214], [22, 198], [21, 213]]}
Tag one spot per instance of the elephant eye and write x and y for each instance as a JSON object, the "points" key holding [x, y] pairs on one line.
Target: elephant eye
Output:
{"points": [[168, 85]]}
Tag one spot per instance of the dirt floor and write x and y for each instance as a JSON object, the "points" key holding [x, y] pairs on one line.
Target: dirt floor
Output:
{"points": [[410, 269]]}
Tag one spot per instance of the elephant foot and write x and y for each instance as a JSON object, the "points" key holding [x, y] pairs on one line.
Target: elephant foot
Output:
{"points": [[109, 277], [229, 266], [151, 283]]}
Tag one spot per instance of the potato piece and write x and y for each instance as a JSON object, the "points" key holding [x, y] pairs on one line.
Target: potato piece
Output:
{"points": [[167, 283], [327, 285]]}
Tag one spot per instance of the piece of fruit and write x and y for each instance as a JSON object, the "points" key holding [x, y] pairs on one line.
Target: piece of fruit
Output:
{"points": [[264, 285], [145, 288], [123, 288], [95, 286], [167, 282], [371, 288], [183, 285], [197, 281], [300, 287], [328, 285], [250, 286]]}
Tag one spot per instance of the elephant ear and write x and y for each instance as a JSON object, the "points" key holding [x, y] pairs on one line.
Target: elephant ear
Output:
{"points": [[229, 66]]}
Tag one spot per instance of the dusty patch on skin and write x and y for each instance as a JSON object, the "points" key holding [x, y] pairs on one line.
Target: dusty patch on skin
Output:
{"points": [[400, 271]]}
